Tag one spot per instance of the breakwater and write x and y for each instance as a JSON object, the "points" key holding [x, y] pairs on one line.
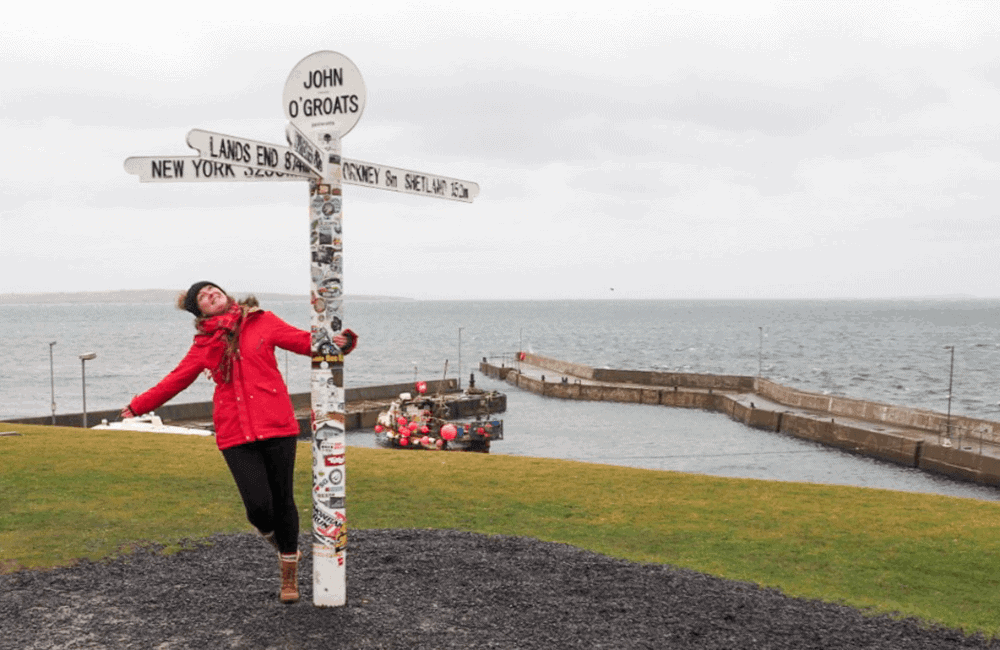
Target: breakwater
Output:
{"points": [[959, 447]]}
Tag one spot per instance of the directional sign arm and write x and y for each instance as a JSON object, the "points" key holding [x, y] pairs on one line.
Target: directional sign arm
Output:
{"points": [[304, 148], [357, 172], [313, 147], [187, 169], [228, 149]]}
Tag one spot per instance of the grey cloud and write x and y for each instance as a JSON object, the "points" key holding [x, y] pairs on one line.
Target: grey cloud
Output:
{"points": [[972, 226], [126, 99], [135, 109], [740, 106], [976, 231], [989, 149], [206, 196], [533, 99], [503, 190], [621, 181], [519, 116], [511, 114], [991, 73]]}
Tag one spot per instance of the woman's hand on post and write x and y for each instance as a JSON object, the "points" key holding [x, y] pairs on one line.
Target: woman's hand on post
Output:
{"points": [[346, 341]]}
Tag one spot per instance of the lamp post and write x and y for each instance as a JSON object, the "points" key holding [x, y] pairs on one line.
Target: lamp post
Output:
{"points": [[459, 358], [760, 353], [52, 382], [84, 358], [951, 374]]}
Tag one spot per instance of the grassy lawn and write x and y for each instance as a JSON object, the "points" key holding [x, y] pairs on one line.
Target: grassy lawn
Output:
{"points": [[67, 494]]}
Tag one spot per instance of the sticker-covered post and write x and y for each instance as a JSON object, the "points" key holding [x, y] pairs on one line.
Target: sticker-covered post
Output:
{"points": [[323, 99]]}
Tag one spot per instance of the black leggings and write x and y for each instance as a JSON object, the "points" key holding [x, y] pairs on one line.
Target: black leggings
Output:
{"points": [[264, 471]]}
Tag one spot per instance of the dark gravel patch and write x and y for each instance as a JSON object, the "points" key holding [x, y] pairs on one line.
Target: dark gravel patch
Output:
{"points": [[426, 589]]}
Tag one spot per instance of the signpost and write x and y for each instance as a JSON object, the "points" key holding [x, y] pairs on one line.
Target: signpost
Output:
{"points": [[323, 99]]}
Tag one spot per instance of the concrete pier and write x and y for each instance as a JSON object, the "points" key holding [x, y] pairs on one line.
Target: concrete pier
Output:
{"points": [[955, 446]]}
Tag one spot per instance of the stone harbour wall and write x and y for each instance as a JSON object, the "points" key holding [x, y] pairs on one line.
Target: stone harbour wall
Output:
{"points": [[876, 412], [902, 435]]}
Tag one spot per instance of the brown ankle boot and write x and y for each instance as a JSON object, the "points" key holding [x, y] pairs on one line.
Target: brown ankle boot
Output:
{"points": [[290, 577]]}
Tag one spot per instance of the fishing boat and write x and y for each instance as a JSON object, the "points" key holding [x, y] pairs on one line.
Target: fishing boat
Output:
{"points": [[150, 423], [431, 422]]}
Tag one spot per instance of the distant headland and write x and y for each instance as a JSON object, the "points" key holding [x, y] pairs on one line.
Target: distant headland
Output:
{"points": [[153, 296]]}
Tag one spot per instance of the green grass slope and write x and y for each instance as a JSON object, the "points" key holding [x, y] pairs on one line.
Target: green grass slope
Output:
{"points": [[67, 494]]}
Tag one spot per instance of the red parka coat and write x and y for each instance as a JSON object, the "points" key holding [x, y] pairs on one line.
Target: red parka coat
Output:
{"points": [[254, 404]]}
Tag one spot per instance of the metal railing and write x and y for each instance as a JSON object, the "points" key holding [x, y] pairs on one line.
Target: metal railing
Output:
{"points": [[966, 439], [506, 359]]}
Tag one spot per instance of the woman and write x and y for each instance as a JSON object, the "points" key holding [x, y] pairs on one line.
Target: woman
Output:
{"points": [[255, 425]]}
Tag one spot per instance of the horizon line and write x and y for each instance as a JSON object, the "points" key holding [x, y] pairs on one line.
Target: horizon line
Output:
{"points": [[10, 297]]}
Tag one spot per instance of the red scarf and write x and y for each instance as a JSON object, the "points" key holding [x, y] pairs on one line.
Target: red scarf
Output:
{"points": [[225, 329]]}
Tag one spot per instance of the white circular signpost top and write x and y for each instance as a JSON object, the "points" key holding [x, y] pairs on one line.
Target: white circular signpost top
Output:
{"points": [[324, 90]]}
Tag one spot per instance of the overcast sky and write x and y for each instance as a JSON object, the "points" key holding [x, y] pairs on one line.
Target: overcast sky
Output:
{"points": [[743, 149]]}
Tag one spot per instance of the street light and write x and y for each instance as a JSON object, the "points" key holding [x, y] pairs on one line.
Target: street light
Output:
{"points": [[760, 353], [951, 373], [459, 358], [84, 358], [52, 383]]}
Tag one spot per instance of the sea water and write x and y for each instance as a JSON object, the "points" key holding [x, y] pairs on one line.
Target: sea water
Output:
{"points": [[897, 352]]}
